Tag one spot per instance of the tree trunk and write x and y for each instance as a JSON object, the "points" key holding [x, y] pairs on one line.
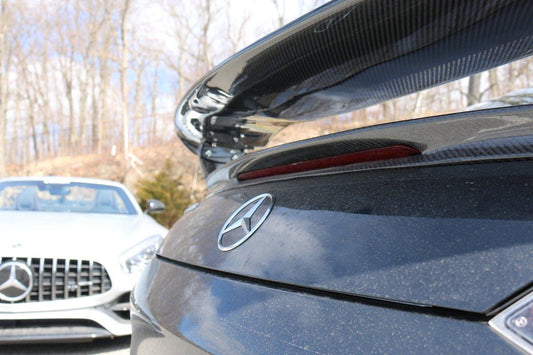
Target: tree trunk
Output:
{"points": [[473, 95], [154, 106], [494, 83], [3, 84], [511, 77], [138, 115], [83, 80], [67, 78], [420, 104], [31, 119], [123, 79]]}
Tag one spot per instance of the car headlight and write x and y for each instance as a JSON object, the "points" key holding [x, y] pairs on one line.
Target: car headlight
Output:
{"points": [[516, 323], [136, 258]]}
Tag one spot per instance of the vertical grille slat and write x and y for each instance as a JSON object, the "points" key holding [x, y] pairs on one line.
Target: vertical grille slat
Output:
{"points": [[91, 265], [78, 279], [53, 281], [65, 279], [28, 262], [62, 279], [102, 277], [41, 270]]}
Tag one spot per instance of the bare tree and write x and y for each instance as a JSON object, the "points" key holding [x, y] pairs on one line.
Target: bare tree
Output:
{"points": [[182, 35], [87, 40], [154, 91], [104, 58], [235, 31], [420, 103], [474, 92], [124, 10], [7, 39], [65, 28], [205, 59], [494, 83], [280, 6], [81, 76], [138, 112]]}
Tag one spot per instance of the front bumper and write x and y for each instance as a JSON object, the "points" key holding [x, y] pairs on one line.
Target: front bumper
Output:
{"points": [[106, 320], [75, 319], [178, 308]]}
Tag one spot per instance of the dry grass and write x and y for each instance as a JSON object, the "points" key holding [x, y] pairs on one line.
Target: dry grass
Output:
{"points": [[152, 159], [106, 166]]}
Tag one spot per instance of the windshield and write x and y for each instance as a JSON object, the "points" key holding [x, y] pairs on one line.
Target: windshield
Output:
{"points": [[67, 197]]}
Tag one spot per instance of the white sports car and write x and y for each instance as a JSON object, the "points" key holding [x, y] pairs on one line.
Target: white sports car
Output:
{"points": [[71, 250]]}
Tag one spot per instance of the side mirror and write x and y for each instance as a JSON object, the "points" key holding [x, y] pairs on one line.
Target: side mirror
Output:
{"points": [[154, 206]]}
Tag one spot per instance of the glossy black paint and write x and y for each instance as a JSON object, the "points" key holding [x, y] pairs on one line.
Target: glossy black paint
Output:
{"points": [[344, 56], [213, 314]]}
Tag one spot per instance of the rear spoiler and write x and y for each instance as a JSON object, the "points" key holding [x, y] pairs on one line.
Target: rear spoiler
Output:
{"points": [[344, 56]]}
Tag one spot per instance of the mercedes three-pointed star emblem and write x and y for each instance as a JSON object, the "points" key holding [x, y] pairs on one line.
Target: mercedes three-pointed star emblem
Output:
{"points": [[246, 220], [16, 281]]}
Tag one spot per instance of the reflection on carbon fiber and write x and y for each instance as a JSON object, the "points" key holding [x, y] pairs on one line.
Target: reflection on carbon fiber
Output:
{"points": [[341, 59]]}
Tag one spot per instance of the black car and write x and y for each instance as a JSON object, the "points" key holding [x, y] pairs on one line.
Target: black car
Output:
{"points": [[409, 237]]}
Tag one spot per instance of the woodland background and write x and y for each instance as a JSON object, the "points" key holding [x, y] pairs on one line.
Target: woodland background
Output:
{"points": [[89, 87]]}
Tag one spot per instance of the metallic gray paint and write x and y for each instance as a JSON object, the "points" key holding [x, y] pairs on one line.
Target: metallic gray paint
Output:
{"points": [[210, 313], [452, 236]]}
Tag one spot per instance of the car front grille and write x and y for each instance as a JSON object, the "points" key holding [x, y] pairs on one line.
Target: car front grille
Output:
{"points": [[61, 279]]}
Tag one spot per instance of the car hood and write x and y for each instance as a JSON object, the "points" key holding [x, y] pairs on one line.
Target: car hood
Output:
{"points": [[69, 235]]}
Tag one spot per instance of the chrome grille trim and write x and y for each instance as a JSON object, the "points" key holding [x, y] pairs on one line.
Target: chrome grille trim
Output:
{"points": [[78, 279], [53, 283], [40, 284], [91, 264], [65, 278], [28, 297], [62, 279]]}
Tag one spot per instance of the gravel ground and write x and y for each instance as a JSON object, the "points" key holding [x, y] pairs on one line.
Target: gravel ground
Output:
{"points": [[120, 346]]}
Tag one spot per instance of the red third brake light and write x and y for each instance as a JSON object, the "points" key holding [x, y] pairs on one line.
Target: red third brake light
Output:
{"points": [[385, 153]]}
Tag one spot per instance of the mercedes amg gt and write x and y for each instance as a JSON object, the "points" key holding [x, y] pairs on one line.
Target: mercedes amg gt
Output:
{"points": [[71, 251]]}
